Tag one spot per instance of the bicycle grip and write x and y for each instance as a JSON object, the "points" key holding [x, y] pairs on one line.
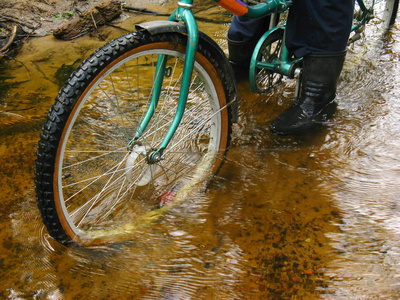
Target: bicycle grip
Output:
{"points": [[237, 7]]}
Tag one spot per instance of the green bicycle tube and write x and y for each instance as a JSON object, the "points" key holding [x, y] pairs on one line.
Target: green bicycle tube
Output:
{"points": [[191, 50], [185, 15], [364, 15], [362, 5], [285, 62], [160, 69], [263, 9], [366, 12]]}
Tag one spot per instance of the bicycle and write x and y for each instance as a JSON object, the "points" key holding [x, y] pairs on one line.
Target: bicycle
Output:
{"points": [[148, 118]]}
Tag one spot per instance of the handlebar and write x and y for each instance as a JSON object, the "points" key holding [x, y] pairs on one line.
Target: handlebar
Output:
{"points": [[241, 9]]}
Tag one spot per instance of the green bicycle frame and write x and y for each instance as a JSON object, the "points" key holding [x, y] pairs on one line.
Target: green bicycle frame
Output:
{"points": [[184, 14], [283, 64]]}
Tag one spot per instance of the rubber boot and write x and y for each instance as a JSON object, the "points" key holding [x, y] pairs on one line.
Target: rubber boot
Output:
{"points": [[243, 35], [321, 71], [239, 57]]}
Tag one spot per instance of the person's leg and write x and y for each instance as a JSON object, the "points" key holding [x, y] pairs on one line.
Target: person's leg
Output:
{"points": [[317, 31], [243, 36]]}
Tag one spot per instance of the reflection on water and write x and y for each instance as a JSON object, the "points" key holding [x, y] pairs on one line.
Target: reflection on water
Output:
{"points": [[366, 187], [311, 217]]}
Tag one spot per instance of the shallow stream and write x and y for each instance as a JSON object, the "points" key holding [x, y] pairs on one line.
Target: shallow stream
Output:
{"points": [[312, 217]]}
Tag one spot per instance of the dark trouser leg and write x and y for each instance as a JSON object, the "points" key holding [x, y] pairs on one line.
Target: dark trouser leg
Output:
{"points": [[318, 26]]}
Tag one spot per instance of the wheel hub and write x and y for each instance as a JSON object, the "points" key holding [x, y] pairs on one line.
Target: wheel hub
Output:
{"points": [[138, 162]]}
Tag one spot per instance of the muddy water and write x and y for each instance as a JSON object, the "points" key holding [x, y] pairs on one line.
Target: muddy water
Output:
{"points": [[306, 218]]}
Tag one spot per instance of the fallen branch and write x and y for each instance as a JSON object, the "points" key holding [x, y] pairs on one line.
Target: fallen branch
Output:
{"points": [[10, 39], [90, 20], [15, 20], [143, 10]]}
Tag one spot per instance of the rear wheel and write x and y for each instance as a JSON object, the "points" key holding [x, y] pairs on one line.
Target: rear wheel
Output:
{"points": [[91, 186], [386, 12], [381, 18], [262, 79]]}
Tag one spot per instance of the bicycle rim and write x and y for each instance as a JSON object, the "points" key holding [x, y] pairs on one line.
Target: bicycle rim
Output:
{"points": [[384, 15], [103, 190], [386, 11], [261, 79]]}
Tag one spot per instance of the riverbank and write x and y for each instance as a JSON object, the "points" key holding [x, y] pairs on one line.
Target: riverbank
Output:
{"points": [[23, 19], [39, 17]]}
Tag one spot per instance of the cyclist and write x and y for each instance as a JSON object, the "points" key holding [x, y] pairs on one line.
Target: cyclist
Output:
{"points": [[318, 31]]}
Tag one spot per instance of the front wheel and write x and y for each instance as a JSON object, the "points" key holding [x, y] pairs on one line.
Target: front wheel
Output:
{"points": [[93, 184]]}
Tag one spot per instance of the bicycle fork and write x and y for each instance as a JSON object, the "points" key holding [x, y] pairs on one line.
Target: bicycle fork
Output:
{"points": [[183, 13]]}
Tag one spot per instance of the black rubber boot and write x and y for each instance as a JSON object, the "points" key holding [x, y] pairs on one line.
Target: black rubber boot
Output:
{"points": [[321, 71], [239, 57]]}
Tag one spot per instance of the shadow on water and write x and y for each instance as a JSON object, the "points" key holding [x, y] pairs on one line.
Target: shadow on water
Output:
{"points": [[308, 217]]}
